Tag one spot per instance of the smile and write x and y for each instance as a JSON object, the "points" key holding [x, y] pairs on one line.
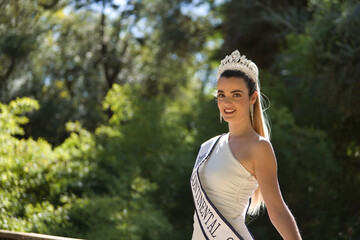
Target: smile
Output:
{"points": [[229, 111]]}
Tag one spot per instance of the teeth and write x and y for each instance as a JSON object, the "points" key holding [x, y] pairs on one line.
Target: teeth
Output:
{"points": [[229, 111]]}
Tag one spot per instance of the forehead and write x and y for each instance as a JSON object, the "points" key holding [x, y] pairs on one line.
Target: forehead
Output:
{"points": [[230, 84]]}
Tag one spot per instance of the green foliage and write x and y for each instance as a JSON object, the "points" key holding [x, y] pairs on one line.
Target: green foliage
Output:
{"points": [[114, 218], [304, 154], [323, 62], [117, 100], [23, 166], [21, 24], [41, 187], [97, 185], [320, 68], [258, 28], [305, 167], [152, 140], [123, 112], [10, 120]]}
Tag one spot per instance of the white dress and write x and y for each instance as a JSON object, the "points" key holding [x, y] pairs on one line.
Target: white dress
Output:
{"points": [[229, 186]]}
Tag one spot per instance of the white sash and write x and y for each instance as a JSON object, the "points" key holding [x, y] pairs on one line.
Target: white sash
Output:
{"points": [[213, 225]]}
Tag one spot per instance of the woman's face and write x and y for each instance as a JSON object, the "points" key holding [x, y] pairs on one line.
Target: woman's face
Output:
{"points": [[233, 99]]}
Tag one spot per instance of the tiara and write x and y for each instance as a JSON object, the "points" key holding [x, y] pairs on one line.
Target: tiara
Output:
{"points": [[237, 62]]}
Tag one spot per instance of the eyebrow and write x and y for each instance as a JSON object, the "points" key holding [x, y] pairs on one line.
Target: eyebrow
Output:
{"points": [[221, 91]]}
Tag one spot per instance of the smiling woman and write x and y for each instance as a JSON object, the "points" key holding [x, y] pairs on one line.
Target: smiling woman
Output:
{"points": [[237, 171], [233, 96]]}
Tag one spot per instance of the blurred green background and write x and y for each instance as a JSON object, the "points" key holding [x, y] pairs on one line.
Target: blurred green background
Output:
{"points": [[104, 105]]}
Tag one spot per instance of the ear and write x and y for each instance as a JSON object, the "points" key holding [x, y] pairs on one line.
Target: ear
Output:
{"points": [[253, 97]]}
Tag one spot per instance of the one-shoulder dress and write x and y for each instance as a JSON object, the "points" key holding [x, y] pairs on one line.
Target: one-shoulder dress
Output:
{"points": [[229, 186]]}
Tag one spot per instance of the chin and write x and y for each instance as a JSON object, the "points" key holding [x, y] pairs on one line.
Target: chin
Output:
{"points": [[228, 119]]}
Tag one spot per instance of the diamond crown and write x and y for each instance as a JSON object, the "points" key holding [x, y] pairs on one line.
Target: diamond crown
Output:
{"points": [[237, 62]]}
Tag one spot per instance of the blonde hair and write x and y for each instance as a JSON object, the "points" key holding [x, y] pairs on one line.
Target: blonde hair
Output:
{"points": [[261, 124]]}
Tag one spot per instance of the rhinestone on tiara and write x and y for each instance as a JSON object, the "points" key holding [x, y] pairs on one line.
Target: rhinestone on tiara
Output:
{"points": [[236, 61]]}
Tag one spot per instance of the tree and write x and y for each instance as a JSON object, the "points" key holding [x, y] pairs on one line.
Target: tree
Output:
{"points": [[258, 28], [320, 68]]}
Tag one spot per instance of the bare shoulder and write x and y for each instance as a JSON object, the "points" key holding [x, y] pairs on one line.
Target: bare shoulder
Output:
{"points": [[262, 151], [262, 145]]}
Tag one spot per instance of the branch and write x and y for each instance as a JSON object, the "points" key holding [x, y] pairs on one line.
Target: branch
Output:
{"points": [[5, 77], [277, 16]]}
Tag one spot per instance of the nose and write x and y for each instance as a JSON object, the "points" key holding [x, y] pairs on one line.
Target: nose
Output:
{"points": [[225, 100]]}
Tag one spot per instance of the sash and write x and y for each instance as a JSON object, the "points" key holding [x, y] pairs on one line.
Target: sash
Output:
{"points": [[213, 224]]}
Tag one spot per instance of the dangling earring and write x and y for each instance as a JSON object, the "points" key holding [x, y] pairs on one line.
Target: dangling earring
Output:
{"points": [[252, 112], [220, 118]]}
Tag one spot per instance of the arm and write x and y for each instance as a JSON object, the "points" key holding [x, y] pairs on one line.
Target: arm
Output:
{"points": [[265, 168]]}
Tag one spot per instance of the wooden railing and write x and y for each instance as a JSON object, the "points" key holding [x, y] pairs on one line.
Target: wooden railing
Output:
{"points": [[9, 235]]}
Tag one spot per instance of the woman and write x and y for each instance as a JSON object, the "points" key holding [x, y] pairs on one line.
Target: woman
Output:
{"points": [[237, 171]]}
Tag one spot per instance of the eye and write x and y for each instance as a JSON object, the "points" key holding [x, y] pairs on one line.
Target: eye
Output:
{"points": [[220, 95], [236, 95]]}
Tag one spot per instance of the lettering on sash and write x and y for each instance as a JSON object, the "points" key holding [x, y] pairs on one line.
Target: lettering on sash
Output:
{"points": [[213, 224], [204, 211]]}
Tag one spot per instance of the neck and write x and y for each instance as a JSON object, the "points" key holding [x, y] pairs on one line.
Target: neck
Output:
{"points": [[240, 129]]}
